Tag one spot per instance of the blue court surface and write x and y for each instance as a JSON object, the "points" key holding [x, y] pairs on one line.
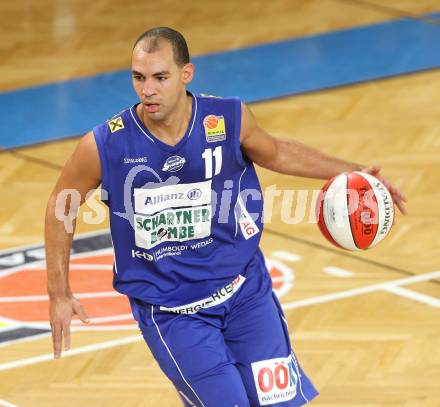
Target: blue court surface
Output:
{"points": [[258, 73]]}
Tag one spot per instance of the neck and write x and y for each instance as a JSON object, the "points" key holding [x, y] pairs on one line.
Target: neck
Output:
{"points": [[171, 129]]}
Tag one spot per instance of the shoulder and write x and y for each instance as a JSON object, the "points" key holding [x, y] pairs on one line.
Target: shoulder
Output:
{"points": [[227, 107], [114, 124], [205, 98], [248, 122], [87, 147]]}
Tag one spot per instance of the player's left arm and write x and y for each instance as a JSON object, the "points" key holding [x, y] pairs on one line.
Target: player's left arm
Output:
{"points": [[294, 158]]}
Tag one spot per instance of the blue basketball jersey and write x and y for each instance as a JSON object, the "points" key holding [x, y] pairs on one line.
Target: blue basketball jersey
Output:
{"points": [[186, 219]]}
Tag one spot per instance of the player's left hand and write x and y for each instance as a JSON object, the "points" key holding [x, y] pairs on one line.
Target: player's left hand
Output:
{"points": [[398, 197]]}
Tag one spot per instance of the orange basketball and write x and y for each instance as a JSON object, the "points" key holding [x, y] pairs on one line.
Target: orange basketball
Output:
{"points": [[211, 121], [355, 211]]}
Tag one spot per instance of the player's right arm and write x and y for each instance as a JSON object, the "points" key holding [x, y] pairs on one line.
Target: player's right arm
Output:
{"points": [[82, 173], [294, 158]]}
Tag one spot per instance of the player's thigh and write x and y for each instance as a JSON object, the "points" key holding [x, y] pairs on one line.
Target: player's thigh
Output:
{"points": [[194, 356], [259, 340]]}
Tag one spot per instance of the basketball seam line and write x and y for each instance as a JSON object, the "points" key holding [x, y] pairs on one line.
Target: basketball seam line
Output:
{"points": [[349, 217]]}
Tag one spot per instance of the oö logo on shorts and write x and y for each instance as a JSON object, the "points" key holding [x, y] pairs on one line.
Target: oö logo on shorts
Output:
{"points": [[275, 380]]}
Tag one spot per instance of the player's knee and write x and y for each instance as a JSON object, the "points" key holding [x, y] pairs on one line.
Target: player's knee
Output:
{"points": [[220, 394], [222, 388]]}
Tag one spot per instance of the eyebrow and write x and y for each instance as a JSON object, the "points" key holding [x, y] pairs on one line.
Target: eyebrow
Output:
{"points": [[161, 73]]}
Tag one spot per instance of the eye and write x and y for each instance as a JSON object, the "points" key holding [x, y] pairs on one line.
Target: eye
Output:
{"points": [[161, 78], [137, 77]]}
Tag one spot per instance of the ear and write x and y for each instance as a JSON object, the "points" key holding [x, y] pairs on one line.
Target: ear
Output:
{"points": [[187, 73]]}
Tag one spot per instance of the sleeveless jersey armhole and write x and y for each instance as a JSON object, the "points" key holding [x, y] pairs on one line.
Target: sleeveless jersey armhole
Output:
{"points": [[100, 139], [237, 131]]}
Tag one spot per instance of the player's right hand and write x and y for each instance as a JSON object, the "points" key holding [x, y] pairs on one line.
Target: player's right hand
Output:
{"points": [[61, 311]]}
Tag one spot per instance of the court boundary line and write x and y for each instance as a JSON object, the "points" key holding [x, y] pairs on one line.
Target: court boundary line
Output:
{"points": [[398, 13], [79, 329], [31, 159], [45, 297], [414, 295], [77, 323], [266, 229], [343, 253], [390, 15], [82, 349], [25, 339], [39, 265], [255, 102], [286, 306], [5, 403], [320, 299], [41, 245]]}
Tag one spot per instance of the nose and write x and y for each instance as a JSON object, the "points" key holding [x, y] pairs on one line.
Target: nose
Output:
{"points": [[148, 88]]}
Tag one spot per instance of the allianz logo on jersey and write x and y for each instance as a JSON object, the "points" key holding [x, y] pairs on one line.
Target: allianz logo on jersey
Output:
{"points": [[149, 201], [173, 163], [192, 194]]}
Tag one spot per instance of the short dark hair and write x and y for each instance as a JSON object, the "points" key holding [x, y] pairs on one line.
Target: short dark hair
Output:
{"points": [[177, 40]]}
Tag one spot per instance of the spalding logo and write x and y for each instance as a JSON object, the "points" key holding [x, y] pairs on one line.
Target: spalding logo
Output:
{"points": [[389, 209], [173, 163]]}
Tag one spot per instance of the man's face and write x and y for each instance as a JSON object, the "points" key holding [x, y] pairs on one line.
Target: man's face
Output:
{"points": [[158, 81]]}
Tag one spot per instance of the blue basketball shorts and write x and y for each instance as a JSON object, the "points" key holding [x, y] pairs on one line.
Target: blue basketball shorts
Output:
{"points": [[230, 350]]}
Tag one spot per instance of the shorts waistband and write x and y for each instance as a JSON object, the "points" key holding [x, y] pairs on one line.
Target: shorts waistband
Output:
{"points": [[221, 295]]}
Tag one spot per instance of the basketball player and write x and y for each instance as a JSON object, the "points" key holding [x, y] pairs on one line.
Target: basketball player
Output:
{"points": [[176, 168]]}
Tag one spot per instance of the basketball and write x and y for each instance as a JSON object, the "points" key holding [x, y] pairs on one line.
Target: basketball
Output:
{"points": [[355, 211]]}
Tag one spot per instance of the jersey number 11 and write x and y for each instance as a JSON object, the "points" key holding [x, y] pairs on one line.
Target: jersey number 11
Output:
{"points": [[208, 155]]}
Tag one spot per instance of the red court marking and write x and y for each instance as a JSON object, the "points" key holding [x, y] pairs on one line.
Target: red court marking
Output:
{"points": [[38, 310], [27, 282], [96, 259], [33, 282], [275, 273]]}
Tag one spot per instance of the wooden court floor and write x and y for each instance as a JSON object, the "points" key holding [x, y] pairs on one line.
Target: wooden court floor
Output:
{"points": [[366, 327]]}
